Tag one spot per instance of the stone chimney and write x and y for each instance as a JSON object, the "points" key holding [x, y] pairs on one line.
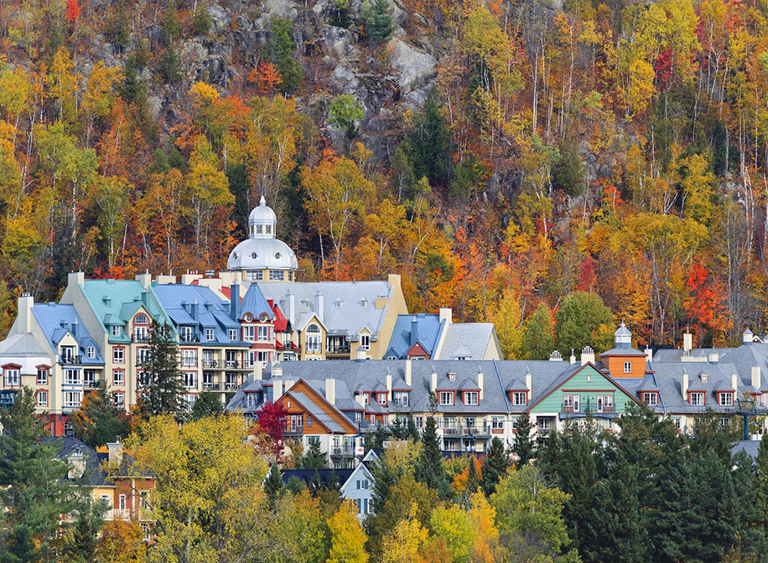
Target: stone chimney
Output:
{"points": [[319, 302], [446, 314], [687, 342], [115, 451], [414, 331], [433, 382], [26, 302], [684, 387], [480, 383], [756, 377], [144, 279], [234, 301], [587, 355], [330, 390], [408, 372]]}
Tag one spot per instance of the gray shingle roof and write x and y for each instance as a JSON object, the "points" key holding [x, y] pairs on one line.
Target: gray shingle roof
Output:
{"points": [[469, 340]]}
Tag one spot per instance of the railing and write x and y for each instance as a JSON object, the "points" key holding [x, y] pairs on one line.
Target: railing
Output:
{"points": [[337, 349], [140, 338], [184, 338], [212, 386], [119, 514], [340, 451], [233, 364], [400, 402], [189, 362], [210, 363], [70, 360], [231, 385], [91, 384], [586, 407], [544, 431]]}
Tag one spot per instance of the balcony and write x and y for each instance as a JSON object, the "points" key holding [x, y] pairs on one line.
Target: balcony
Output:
{"points": [[188, 338], [211, 386], [544, 431], [337, 349], [70, 360], [586, 407], [342, 451], [118, 514], [189, 362], [91, 384], [208, 363], [140, 338]]}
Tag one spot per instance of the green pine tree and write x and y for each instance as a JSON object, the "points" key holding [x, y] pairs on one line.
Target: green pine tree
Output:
{"points": [[568, 171], [98, 421], [170, 66], [761, 482], [280, 47], [428, 143], [203, 21], [33, 490], [273, 486], [208, 403], [314, 458], [473, 479], [430, 469], [84, 541], [525, 444], [412, 432], [399, 428], [162, 380], [380, 25], [495, 465]]}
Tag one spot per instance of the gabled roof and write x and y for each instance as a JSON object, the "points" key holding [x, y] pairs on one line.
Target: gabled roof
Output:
{"points": [[468, 340], [107, 298], [402, 339], [22, 346], [59, 320], [317, 413]]}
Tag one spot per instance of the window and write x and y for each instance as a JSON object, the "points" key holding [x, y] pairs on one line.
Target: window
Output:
{"points": [[259, 229], [383, 399], [231, 358], [144, 500], [42, 398], [400, 398], [72, 399], [140, 333], [118, 355], [313, 328], [106, 499], [365, 341], [263, 333], [122, 504], [141, 319], [207, 380], [313, 342], [627, 367], [145, 530], [231, 381], [497, 423], [295, 423], [186, 334], [446, 398], [418, 421], [69, 430], [71, 377], [233, 334], [651, 399], [544, 424], [263, 357], [42, 376], [248, 333], [210, 334], [697, 399], [276, 275], [189, 401], [116, 332], [678, 423], [91, 352], [89, 378], [119, 400], [254, 275], [118, 377], [67, 354], [471, 398], [571, 403], [12, 378], [142, 356], [519, 398], [726, 399], [268, 230], [189, 358], [190, 379]]}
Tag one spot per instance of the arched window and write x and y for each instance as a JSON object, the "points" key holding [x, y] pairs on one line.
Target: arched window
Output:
{"points": [[141, 319], [313, 328]]}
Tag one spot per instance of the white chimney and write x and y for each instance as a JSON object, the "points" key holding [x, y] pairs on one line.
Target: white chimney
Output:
{"points": [[446, 314], [319, 306], [360, 399], [115, 451], [277, 389], [480, 384], [361, 355], [756, 377], [734, 383], [389, 387], [687, 342], [433, 382], [572, 359], [288, 384], [746, 336], [528, 383], [330, 390], [408, 372], [684, 388], [290, 305], [258, 368], [587, 355], [649, 354], [26, 302], [144, 279]]}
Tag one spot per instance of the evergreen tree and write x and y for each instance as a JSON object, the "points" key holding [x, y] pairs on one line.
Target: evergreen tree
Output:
{"points": [[495, 465], [380, 436], [33, 490], [208, 403], [379, 18], [117, 31], [162, 380], [473, 479], [429, 466], [401, 179], [85, 532], [203, 20], [134, 91], [314, 458], [568, 171], [399, 428], [539, 334], [579, 478], [281, 47], [170, 66], [273, 486], [525, 444], [709, 433], [295, 485], [98, 421], [170, 23], [428, 143], [412, 432], [761, 482]]}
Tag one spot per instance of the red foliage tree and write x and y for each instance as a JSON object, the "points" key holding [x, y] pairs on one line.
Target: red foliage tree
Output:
{"points": [[73, 11], [271, 425], [705, 304]]}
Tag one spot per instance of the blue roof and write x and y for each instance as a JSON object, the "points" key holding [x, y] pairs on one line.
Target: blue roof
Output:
{"points": [[429, 328], [198, 307], [58, 320], [255, 303]]}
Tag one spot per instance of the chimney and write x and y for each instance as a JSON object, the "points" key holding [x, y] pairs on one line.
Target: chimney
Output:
{"points": [[756, 377], [195, 310], [115, 450], [164, 280], [408, 372], [735, 383], [555, 357], [687, 342], [187, 279], [288, 384], [144, 279], [290, 306], [234, 301], [587, 355], [330, 390], [684, 387], [446, 314], [76, 278], [360, 399], [528, 382], [433, 382], [258, 370], [360, 355], [319, 306], [648, 354], [393, 280], [572, 359], [713, 357], [480, 384], [414, 331], [26, 302], [277, 389], [389, 387], [746, 336]]}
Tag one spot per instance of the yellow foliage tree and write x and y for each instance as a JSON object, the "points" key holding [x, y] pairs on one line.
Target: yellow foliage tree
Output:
{"points": [[347, 536], [404, 543]]}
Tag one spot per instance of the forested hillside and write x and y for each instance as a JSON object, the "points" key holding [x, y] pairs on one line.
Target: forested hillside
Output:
{"points": [[498, 155]]}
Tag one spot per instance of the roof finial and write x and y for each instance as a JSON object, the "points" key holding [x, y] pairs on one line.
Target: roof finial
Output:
{"points": [[262, 201]]}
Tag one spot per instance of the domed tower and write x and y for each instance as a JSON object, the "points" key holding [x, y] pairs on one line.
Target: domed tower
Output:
{"points": [[262, 257]]}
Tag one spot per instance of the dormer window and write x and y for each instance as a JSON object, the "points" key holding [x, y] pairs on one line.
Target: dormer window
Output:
{"points": [[452, 376], [383, 399], [365, 341], [519, 398], [141, 319], [627, 367], [400, 398], [696, 399], [651, 399], [726, 399], [446, 397], [471, 397], [116, 331], [248, 317], [233, 334], [703, 377], [91, 352]]}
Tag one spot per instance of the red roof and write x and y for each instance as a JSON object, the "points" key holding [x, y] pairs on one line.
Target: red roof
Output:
{"points": [[281, 323]]}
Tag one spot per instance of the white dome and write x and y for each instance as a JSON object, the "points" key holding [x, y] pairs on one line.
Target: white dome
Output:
{"points": [[263, 216], [262, 254]]}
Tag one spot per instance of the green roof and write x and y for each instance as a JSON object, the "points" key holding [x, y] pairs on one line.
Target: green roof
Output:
{"points": [[116, 301]]}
